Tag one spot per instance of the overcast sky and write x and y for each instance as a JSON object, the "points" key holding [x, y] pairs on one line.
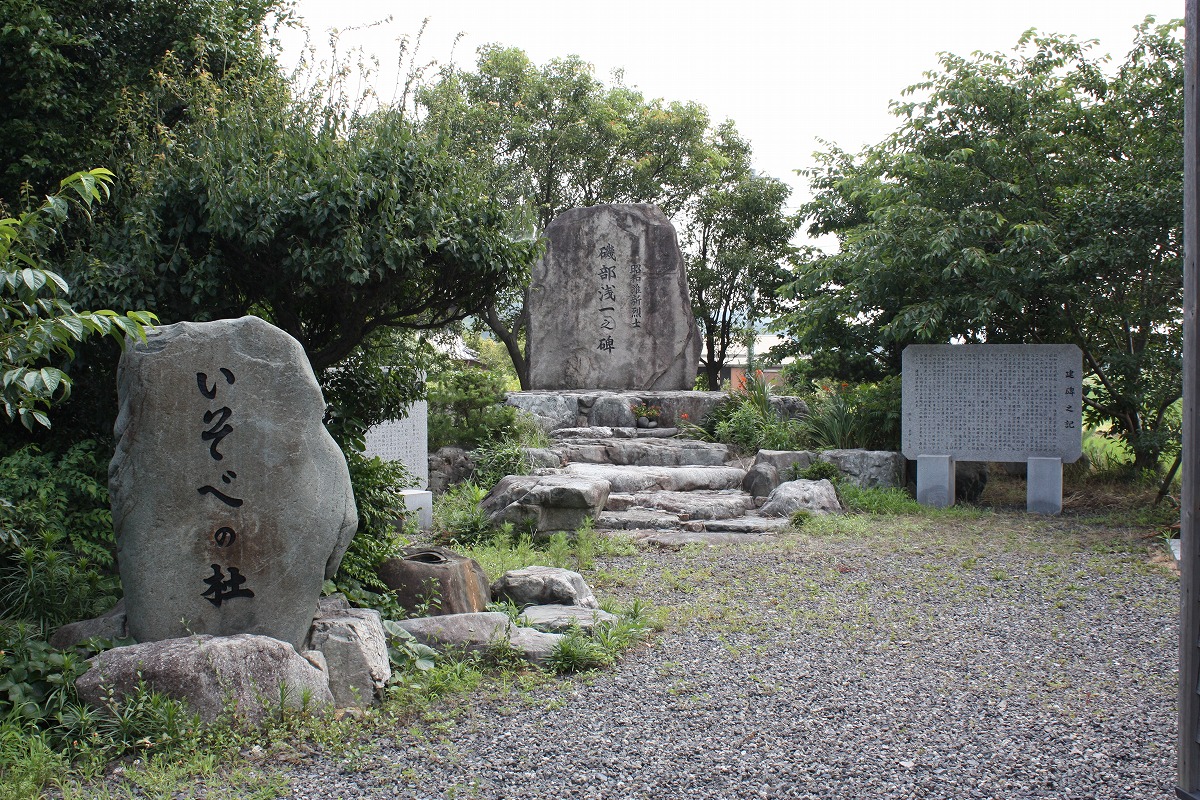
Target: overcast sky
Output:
{"points": [[788, 73]]}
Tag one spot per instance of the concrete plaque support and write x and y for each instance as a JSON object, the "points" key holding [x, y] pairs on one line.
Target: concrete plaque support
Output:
{"points": [[935, 481], [1043, 488]]}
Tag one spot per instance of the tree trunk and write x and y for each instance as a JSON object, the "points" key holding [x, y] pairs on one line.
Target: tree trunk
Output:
{"points": [[512, 342]]}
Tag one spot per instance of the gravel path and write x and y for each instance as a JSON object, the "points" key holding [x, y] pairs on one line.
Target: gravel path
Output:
{"points": [[1000, 657]]}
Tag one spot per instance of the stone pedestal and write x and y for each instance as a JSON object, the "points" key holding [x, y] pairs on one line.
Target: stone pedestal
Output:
{"points": [[420, 503], [935, 481], [1043, 488]]}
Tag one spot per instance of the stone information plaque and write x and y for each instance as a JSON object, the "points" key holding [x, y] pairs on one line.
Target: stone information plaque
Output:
{"points": [[992, 402]]}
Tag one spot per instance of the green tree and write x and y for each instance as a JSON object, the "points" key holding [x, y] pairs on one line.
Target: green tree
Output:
{"points": [[330, 222], [554, 137], [37, 324], [1024, 198], [63, 62], [737, 237]]}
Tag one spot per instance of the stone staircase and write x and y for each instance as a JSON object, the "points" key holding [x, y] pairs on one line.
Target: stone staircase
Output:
{"points": [[666, 492]]}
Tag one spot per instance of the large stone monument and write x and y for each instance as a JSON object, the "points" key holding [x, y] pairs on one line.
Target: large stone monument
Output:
{"points": [[609, 305], [992, 402], [231, 501]]}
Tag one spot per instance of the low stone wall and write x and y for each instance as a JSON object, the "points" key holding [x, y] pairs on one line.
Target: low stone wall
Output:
{"points": [[582, 408]]}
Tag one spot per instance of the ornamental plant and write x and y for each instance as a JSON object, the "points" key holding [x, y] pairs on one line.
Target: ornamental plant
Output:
{"points": [[645, 410]]}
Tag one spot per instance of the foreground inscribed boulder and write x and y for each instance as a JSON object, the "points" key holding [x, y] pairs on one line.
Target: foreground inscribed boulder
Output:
{"points": [[231, 501]]}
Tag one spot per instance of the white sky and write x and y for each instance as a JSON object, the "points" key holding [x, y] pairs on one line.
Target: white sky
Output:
{"points": [[788, 73]]}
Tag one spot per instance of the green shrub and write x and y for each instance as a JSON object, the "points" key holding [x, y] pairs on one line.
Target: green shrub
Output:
{"points": [[816, 471], [57, 547], [507, 454], [866, 416], [457, 517], [466, 408], [377, 492], [878, 501], [746, 421]]}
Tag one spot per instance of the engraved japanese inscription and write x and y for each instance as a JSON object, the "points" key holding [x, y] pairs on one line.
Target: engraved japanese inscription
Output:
{"points": [[231, 501], [1004, 402]]}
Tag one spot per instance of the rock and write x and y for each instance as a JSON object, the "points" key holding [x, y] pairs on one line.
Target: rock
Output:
{"points": [[748, 524], [593, 432], [475, 632], [639, 519], [870, 469], [544, 503], [785, 460], [672, 479], [789, 407], [231, 502], [245, 673], [557, 618], [677, 540], [542, 457], [760, 480], [536, 586], [702, 504], [551, 410], [818, 497], [970, 479], [356, 657], [436, 580], [447, 467], [534, 646], [109, 625], [645, 452], [614, 411], [609, 305]]}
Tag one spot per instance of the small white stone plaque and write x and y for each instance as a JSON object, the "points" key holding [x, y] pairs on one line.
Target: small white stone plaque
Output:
{"points": [[992, 402]]}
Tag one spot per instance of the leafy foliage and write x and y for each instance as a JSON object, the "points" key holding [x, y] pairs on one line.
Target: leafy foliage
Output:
{"points": [[865, 416], [377, 488], [747, 420], [553, 137], [56, 539], [330, 221], [466, 407], [737, 236], [1024, 198], [65, 66], [37, 324]]}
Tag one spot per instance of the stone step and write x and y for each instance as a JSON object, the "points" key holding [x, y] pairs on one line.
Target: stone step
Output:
{"points": [[676, 540], [643, 452], [706, 504], [631, 479], [642, 520]]}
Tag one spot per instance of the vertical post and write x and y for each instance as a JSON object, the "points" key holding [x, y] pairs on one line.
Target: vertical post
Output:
{"points": [[1043, 485], [935, 480], [1189, 563]]}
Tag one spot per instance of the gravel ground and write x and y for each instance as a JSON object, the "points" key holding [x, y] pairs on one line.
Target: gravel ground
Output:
{"points": [[998, 657]]}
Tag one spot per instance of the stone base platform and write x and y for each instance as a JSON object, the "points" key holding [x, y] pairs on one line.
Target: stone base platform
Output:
{"points": [[582, 408]]}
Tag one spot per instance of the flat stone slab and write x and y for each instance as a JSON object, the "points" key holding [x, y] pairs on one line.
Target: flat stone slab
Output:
{"points": [[705, 504], [560, 619], [648, 452], [747, 524], [594, 432], [631, 479], [676, 540], [481, 632], [640, 519]]}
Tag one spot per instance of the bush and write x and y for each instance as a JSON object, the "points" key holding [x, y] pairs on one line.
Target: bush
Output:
{"points": [[457, 517], [842, 416], [377, 492], [466, 408], [816, 471], [746, 420], [57, 550]]}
